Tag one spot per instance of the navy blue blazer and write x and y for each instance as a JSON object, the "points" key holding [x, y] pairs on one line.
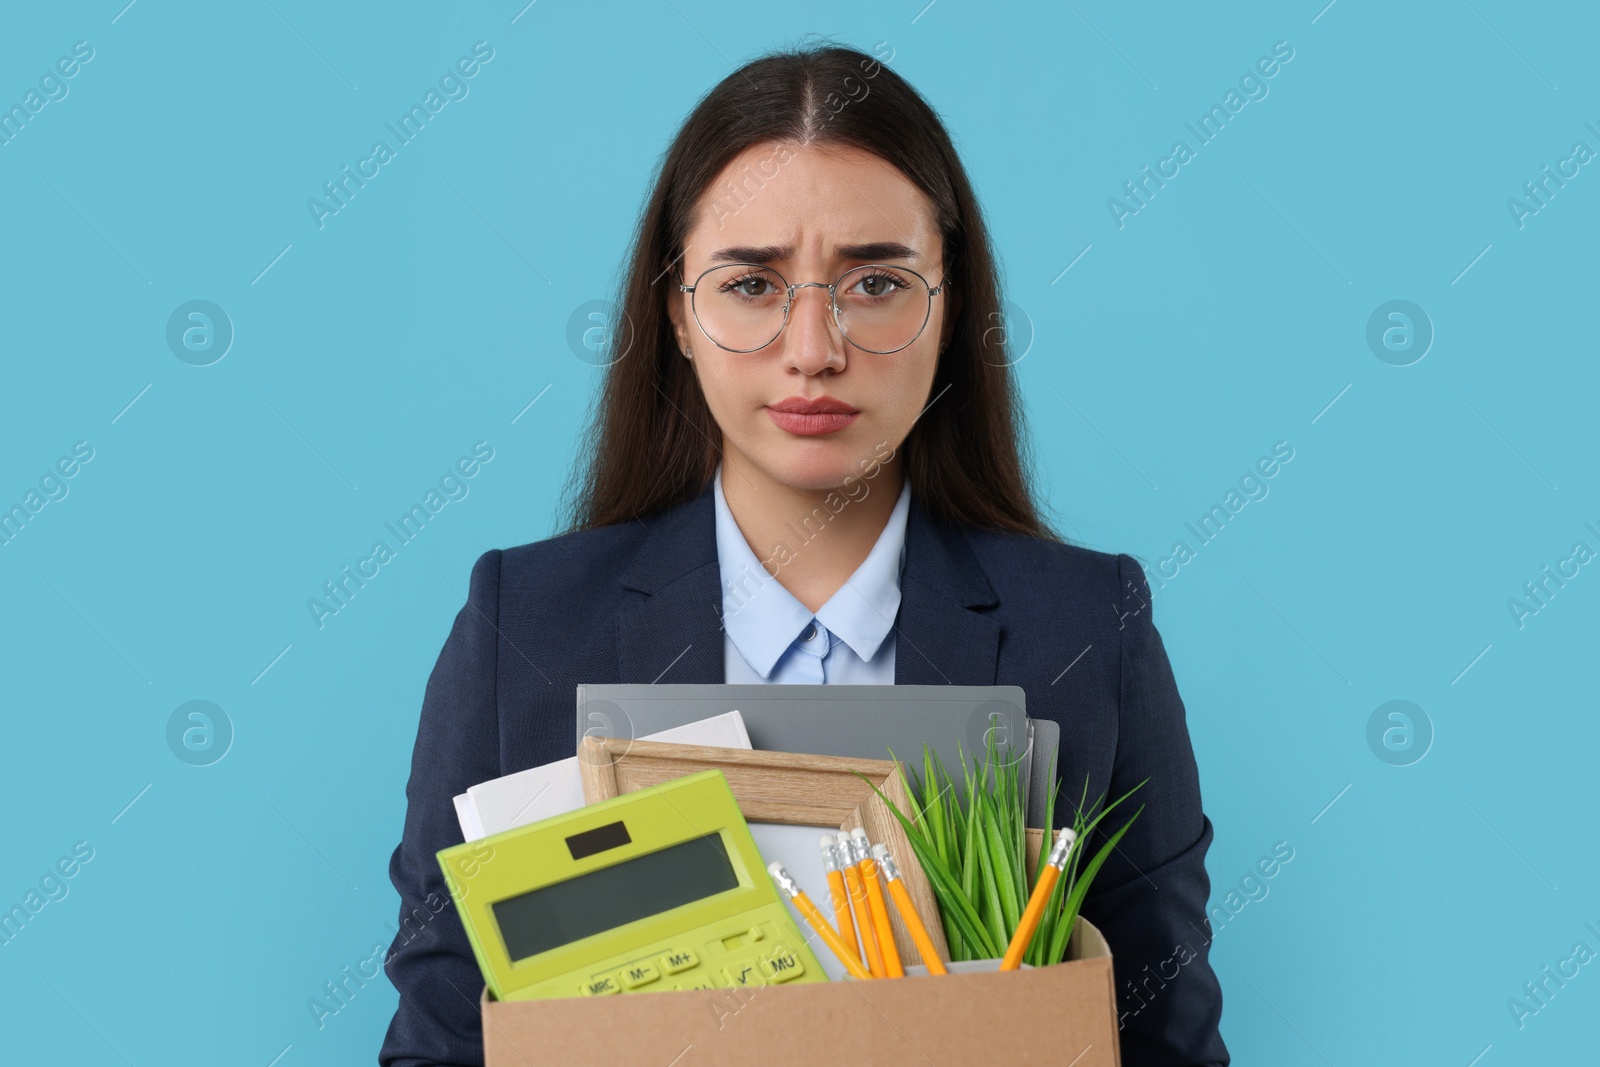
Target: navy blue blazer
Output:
{"points": [[641, 601]]}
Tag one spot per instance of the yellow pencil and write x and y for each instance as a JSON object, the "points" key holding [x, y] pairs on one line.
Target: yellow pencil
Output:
{"points": [[858, 904], [818, 922], [880, 908], [1037, 901], [841, 899], [908, 911]]}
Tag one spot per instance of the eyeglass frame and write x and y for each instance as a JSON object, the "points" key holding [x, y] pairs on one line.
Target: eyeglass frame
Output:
{"points": [[833, 303]]}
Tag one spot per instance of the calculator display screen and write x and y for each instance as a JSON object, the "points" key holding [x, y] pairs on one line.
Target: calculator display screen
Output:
{"points": [[559, 914]]}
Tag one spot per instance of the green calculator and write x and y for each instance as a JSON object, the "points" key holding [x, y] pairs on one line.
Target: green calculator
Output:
{"points": [[658, 889]]}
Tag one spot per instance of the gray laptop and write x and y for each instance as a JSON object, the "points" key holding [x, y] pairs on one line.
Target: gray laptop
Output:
{"points": [[866, 721]]}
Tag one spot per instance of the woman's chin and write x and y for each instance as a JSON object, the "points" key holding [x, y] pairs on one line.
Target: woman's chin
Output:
{"points": [[815, 465]]}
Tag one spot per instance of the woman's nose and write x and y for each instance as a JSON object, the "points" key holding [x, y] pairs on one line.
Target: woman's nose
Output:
{"points": [[812, 339]]}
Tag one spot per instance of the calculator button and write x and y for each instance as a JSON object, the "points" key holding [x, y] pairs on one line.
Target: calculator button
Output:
{"points": [[743, 974], [595, 986], [780, 964], [639, 974], [756, 933], [673, 962]]}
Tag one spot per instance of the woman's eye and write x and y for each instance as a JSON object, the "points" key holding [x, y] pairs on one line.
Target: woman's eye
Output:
{"points": [[880, 285], [750, 287]]}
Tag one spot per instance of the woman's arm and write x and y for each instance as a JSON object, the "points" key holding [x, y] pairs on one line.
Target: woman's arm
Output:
{"points": [[458, 745], [1150, 897]]}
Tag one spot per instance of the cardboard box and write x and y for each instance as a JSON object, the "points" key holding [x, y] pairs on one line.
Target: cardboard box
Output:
{"points": [[1060, 1014], [1064, 1013]]}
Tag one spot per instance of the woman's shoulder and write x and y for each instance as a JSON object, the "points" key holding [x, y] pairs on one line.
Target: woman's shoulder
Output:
{"points": [[589, 560], [1024, 567], [573, 557]]}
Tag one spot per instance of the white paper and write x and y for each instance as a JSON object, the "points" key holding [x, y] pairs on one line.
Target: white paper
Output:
{"points": [[556, 788], [467, 816]]}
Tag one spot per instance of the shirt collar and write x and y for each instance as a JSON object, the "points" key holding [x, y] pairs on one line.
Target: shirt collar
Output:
{"points": [[762, 618]]}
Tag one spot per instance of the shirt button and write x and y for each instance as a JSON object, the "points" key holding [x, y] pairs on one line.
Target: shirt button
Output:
{"points": [[809, 632]]}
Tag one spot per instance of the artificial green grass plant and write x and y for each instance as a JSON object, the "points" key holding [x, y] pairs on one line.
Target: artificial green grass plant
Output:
{"points": [[974, 855]]}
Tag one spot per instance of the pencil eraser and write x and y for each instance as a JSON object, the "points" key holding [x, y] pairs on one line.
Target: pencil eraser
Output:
{"points": [[880, 851], [826, 841], [859, 833], [775, 868]]}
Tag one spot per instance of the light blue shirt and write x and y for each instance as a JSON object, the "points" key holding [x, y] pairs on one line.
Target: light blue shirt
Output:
{"points": [[769, 636]]}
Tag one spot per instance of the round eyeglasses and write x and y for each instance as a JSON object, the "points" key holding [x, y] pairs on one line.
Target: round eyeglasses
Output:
{"points": [[742, 307]]}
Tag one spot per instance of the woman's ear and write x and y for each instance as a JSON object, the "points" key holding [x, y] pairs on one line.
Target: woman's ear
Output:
{"points": [[947, 327], [680, 335]]}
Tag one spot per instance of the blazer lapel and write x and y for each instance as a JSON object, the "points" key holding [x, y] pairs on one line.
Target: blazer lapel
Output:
{"points": [[939, 640], [673, 633]]}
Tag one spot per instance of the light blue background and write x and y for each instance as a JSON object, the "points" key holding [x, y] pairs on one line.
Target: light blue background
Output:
{"points": [[427, 315]]}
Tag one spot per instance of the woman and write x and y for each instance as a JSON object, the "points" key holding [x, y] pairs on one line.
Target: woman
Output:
{"points": [[787, 485]]}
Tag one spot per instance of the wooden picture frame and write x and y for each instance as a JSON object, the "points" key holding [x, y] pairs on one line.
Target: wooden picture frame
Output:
{"points": [[793, 788]]}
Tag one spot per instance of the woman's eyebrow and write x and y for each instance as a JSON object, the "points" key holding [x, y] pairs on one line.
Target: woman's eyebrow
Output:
{"points": [[872, 250]]}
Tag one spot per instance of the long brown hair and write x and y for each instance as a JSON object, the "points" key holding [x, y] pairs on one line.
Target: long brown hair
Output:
{"points": [[652, 441]]}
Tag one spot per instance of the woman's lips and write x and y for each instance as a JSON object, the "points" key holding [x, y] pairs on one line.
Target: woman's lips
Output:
{"points": [[812, 425]]}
